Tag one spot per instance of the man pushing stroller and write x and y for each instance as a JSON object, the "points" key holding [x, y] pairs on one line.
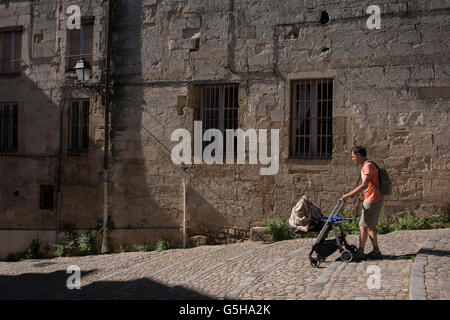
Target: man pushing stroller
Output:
{"points": [[372, 203]]}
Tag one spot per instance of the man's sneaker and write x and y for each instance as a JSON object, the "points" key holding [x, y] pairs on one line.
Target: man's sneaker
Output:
{"points": [[376, 253], [359, 255]]}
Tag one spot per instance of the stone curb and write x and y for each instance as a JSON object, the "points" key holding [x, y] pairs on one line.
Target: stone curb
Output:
{"points": [[417, 289]]}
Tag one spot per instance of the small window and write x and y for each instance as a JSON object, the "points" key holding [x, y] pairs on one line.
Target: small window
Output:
{"points": [[80, 44], [8, 127], [79, 126], [312, 119], [46, 197], [217, 107], [10, 51]]}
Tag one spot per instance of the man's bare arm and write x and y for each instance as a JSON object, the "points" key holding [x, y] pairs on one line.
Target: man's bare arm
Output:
{"points": [[359, 189]]}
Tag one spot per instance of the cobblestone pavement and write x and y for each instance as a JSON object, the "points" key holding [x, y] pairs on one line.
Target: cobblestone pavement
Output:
{"points": [[247, 270]]}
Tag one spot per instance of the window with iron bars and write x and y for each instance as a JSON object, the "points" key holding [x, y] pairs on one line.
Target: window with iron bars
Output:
{"points": [[217, 107], [311, 119], [8, 127], [80, 44], [79, 126], [10, 51]]}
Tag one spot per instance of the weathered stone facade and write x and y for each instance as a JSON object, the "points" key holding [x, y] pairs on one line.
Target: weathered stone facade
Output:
{"points": [[390, 94], [43, 90]]}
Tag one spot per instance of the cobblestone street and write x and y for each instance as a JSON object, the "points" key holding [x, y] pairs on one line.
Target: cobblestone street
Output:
{"points": [[247, 270]]}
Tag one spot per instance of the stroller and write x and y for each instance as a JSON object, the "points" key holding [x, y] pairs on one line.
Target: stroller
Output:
{"points": [[323, 247]]}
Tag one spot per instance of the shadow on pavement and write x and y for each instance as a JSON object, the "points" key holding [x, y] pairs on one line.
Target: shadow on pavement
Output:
{"points": [[384, 257], [440, 253], [52, 286]]}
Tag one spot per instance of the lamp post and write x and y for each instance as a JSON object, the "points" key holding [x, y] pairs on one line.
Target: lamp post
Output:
{"points": [[83, 71]]}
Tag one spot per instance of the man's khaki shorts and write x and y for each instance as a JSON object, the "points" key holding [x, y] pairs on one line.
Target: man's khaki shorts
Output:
{"points": [[370, 214]]}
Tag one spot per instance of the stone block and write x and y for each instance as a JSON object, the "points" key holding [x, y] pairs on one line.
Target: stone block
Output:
{"points": [[199, 240], [259, 234], [422, 72]]}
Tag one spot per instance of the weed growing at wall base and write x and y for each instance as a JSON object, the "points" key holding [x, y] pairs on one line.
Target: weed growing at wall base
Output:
{"points": [[279, 230], [162, 245], [32, 252]]}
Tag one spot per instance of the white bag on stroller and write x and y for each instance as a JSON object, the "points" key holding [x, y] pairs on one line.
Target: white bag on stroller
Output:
{"points": [[304, 212]]}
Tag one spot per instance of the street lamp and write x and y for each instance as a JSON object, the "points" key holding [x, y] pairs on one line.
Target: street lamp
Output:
{"points": [[83, 70]]}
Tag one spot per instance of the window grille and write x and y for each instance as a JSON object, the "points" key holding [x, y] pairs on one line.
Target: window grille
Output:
{"points": [[79, 126], [217, 107], [8, 127], [311, 119]]}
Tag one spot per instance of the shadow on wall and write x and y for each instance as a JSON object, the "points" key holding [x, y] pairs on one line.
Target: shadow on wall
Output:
{"points": [[139, 195], [28, 212], [203, 217], [53, 286]]}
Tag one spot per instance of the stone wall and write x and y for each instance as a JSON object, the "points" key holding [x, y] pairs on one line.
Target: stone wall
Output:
{"points": [[390, 94], [43, 90], [378, 79]]}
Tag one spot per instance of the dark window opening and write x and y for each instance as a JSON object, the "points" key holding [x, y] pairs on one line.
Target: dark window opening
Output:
{"points": [[46, 197], [8, 127], [312, 119], [79, 126], [80, 44], [10, 51]]}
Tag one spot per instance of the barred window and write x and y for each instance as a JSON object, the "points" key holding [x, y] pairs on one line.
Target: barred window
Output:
{"points": [[8, 127], [312, 119], [217, 107], [79, 126], [80, 44], [10, 51]]}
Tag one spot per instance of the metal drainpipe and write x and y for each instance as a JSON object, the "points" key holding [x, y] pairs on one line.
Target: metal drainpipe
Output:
{"points": [[106, 146], [184, 213], [61, 115]]}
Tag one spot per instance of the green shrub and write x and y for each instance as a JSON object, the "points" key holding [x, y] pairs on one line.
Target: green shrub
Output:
{"points": [[383, 226], [87, 243], [13, 256], [32, 252], [68, 244], [279, 230], [353, 226], [143, 247], [410, 222], [162, 245], [123, 248], [440, 219]]}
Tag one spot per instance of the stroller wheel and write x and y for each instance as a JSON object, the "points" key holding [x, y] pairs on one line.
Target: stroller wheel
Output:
{"points": [[314, 262], [321, 259], [346, 256]]}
